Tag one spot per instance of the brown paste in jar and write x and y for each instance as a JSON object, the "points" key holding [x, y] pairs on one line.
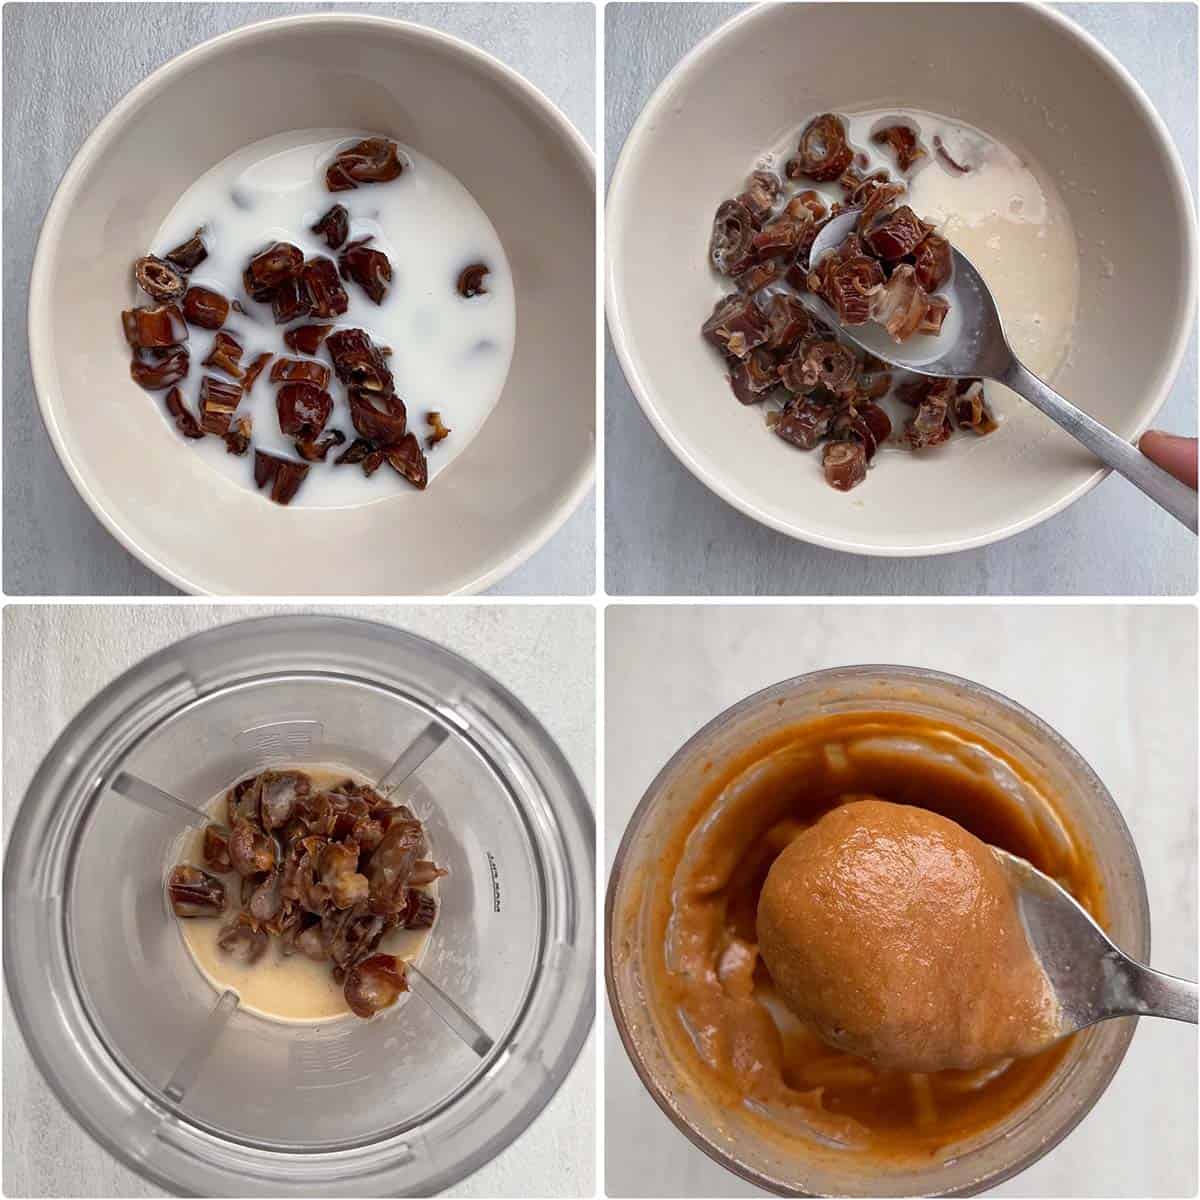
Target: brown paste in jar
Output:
{"points": [[718, 1008]]}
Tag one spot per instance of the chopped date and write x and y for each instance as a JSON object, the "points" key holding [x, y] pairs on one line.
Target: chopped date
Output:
{"points": [[303, 409], [762, 193], [163, 372], [378, 416], [226, 355], [318, 450], [184, 421], [300, 370], [731, 247], [289, 300], [283, 476], [255, 369], [824, 151], [357, 360], [367, 267], [326, 296], [190, 254], [470, 280], [306, 339], [279, 262], [375, 984], [373, 160], [204, 307], [356, 452], [334, 226], [158, 279], [218, 402], [195, 893], [237, 440], [408, 459], [903, 142], [153, 327], [845, 464]]}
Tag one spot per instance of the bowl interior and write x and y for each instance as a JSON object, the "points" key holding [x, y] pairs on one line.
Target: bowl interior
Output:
{"points": [[1055, 99], [506, 493]]}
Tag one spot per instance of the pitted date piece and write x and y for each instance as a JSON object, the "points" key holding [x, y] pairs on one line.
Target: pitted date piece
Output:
{"points": [[326, 296], [283, 476], [903, 142], [814, 389], [158, 279], [470, 281], [267, 270], [154, 327], [162, 370], [324, 872], [367, 267], [824, 151], [188, 256], [205, 308], [334, 226], [303, 409], [184, 421], [375, 984], [226, 355], [195, 893], [373, 160]]}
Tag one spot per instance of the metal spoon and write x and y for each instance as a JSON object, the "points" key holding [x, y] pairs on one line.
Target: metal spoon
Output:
{"points": [[1092, 980], [980, 350]]}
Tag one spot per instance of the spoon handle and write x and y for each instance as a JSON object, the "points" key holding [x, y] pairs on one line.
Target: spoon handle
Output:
{"points": [[1149, 993], [1164, 489]]}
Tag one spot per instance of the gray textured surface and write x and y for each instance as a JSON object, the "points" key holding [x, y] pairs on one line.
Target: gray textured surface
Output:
{"points": [[531, 649], [65, 66], [667, 534], [1122, 691]]}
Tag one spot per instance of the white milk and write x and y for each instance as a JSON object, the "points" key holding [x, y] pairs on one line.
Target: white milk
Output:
{"points": [[1005, 215], [449, 354], [291, 988]]}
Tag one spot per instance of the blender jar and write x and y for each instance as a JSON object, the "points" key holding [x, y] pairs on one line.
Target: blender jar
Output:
{"points": [[796, 1167], [204, 1097]]}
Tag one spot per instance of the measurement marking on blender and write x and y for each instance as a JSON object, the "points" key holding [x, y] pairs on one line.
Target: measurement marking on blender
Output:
{"points": [[495, 874], [150, 796], [410, 761], [193, 1061]]}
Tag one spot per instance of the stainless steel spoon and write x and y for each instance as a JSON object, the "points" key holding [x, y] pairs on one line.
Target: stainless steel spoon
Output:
{"points": [[1092, 979], [980, 350]]}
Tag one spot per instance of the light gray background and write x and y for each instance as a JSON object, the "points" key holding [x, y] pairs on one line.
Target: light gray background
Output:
{"points": [[65, 66], [56, 657], [667, 534], [1118, 682]]}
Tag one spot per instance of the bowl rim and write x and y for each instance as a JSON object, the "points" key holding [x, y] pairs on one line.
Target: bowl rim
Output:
{"points": [[898, 672], [617, 327], [38, 316]]}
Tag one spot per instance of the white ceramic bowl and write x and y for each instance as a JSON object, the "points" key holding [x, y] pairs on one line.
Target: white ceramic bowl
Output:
{"points": [[531, 463], [1023, 74]]}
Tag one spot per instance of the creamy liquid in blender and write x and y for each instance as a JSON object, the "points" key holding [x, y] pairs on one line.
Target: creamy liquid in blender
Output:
{"points": [[281, 988], [449, 354]]}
